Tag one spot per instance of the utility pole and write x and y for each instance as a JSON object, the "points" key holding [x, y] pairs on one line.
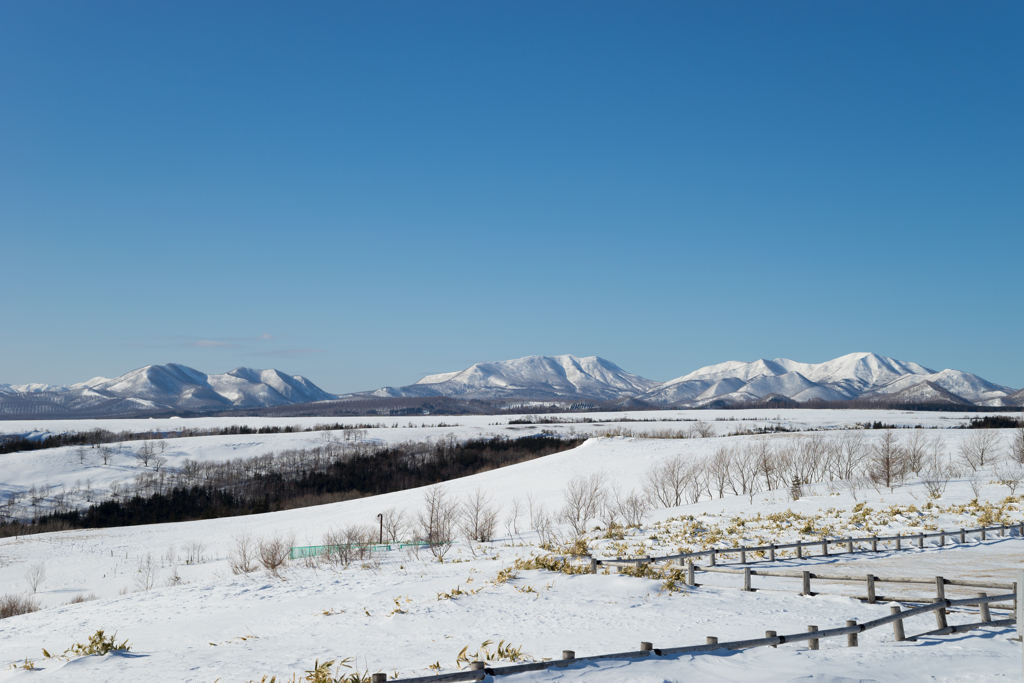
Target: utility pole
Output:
{"points": [[380, 516]]}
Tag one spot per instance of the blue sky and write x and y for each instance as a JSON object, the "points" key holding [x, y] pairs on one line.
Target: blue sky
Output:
{"points": [[364, 193]]}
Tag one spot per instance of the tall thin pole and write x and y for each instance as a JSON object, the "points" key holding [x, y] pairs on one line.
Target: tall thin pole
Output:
{"points": [[380, 516]]}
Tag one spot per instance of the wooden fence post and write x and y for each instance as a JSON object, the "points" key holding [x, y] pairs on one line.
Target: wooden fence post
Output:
{"points": [[568, 654], [746, 579], [898, 539], [689, 573], [593, 565], [799, 549], [711, 560], [897, 626], [940, 596], [743, 556], [807, 583], [920, 541], [849, 545], [476, 666], [983, 608], [646, 647], [771, 553], [771, 634], [824, 548], [984, 537], [871, 589], [963, 536], [1002, 531], [813, 642], [874, 544], [942, 538], [712, 640], [378, 678], [851, 638]]}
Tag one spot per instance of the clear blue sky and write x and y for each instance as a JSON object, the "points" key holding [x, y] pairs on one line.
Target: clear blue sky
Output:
{"points": [[364, 193]]}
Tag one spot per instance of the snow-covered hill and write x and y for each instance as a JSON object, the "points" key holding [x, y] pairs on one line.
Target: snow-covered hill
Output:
{"points": [[533, 377], [160, 388]]}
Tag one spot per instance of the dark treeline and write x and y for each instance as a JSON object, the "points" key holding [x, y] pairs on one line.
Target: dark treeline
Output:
{"points": [[12, 443], [297, 478]]}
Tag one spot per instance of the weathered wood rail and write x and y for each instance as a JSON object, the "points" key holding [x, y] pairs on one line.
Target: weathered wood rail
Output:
{"points": [[848, 545], [479, 670]]}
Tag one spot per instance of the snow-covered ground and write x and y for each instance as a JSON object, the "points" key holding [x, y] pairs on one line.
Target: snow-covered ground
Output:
{"points": [[201, 622]]}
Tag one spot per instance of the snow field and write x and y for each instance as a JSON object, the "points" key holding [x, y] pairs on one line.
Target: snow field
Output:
{"points": [[260, 625]]}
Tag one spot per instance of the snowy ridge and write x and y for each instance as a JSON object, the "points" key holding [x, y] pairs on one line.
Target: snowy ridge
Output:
{"points": [[853, 376], [535, 377], [161, 388]]}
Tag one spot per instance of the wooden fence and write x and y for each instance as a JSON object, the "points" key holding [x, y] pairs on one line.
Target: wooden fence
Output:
{"points": [[940, 605]]}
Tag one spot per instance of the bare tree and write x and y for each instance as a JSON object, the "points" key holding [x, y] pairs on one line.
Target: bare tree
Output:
{"points": [[479, 517], [438, 520], [915, 449], [936, 471], [82, 453], [844, 454], [980, 448], [887, 463], [194, 551], [515, 509], [105, 454], [145, 453], [242, 557], [1017, 443], [35, 575], [718, 469], [1010, 474], [745, 473], [273, 553], [703, 429], [665, 482], [146, 573], [158, 462], [633, 507], [583, 496], [396, 525]]}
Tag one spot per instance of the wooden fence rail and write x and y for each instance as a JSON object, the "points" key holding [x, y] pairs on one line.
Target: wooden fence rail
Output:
{"points": [[479, 670], [713, 553]]}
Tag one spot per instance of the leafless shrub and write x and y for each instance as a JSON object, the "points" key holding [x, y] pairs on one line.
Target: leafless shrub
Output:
{"points": [[583, 497], [936, 471], [666, 483], [13, 605], [980, 448], [479, 517], [1010, 474], [543, 524], [745, 471], [336, 549], [146, 572], [632, 507], [512, 518], [82, 597], [1017, 443], [194, 550], [703, 430], [438, 520], [396, 525], [242, 556], [273, 553], [35, 575], [844, 454], [975, 481]]}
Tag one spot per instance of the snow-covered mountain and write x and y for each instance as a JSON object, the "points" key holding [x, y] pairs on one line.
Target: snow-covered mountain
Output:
{"points": [[853, 376], [532, 377], [160, 388]]}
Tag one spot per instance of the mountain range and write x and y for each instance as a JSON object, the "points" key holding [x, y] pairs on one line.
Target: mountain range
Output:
{"points": [[867, 378], [170, 388], [856, 376]]}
